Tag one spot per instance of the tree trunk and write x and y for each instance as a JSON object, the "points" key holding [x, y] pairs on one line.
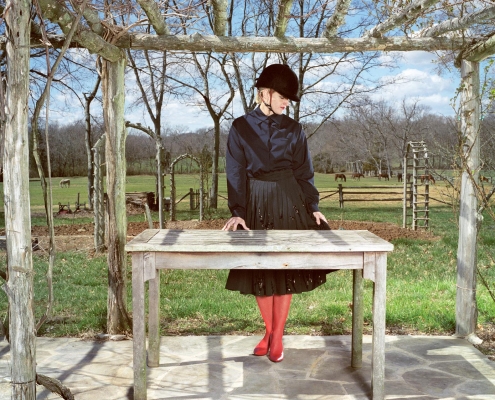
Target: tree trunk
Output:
{"points": [[159, 176], [466, 309], [19, 286], [88, 141], [214, 167], [118, 320], [98, 196]]}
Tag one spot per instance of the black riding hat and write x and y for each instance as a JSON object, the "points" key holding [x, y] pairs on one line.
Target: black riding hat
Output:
{"points": [[281, 78]]}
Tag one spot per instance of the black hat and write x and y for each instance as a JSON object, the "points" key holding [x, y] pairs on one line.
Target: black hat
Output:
{"points": [[281, 78]]}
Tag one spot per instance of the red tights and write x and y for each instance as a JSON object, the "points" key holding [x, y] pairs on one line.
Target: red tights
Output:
{"points": [[274, 311]]}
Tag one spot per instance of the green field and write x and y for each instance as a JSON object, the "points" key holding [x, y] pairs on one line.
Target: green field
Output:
{"points": [[421, 287], [145, 183]]}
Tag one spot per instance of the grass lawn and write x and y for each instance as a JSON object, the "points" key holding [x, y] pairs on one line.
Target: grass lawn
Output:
{"points": [[421, 284]]}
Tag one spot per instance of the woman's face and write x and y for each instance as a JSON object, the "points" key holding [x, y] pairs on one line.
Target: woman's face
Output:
{"points": [[278, 102]]}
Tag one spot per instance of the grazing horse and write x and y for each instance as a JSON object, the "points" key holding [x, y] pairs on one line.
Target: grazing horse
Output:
{"points": [[387, 178], [484, 179], [428, 178], [357, 175], [341, 177], [399, 177], [408, 177], [65, 183]]}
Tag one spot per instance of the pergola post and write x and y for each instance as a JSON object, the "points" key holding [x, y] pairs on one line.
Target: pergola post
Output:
{"points": [[19, 286], [113, 90], [466, 309]]}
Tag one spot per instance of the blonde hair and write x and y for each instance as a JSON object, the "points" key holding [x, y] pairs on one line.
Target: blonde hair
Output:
{"points": [[259, 94]]}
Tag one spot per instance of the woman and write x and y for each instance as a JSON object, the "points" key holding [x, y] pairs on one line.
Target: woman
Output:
{"points": [[270, 181]]}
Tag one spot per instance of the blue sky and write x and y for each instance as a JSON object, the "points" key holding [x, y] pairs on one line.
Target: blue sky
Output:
{"points": [[417, 68], [424, 85]]}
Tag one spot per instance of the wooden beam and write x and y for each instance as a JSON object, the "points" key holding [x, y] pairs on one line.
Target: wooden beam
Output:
{"points": [[219, 16], [86, 38], [458, 23], [480, 51], [200, 43], [337, 19], [153, 13], [409, 14], [281, 23], [196, 42]]}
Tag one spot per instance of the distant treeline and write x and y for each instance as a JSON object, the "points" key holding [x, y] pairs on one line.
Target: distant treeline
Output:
{"points": [[371, 136]]}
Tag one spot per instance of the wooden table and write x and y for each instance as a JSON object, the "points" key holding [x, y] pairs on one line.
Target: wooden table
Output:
{"points": [[156, 249]]}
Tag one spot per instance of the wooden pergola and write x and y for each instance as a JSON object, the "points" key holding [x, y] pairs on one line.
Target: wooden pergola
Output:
{"points": [[461, 28]]}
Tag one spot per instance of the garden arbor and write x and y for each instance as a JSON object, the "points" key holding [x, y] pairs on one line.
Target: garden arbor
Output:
{"points": [[461, 29]]}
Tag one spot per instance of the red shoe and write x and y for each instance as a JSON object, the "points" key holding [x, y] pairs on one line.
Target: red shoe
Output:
{"points": [[262, 348], [276, 357], [276, 352]]}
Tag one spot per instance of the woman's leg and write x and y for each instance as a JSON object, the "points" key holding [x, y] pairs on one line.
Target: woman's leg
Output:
{"points": [[265, 304], [281, 306]]}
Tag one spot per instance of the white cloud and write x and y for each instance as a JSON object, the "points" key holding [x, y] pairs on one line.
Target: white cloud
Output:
{"points": [[419, 85]]}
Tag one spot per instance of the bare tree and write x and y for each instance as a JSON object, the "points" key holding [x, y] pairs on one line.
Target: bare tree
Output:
{"points": [[150, 71], [89, 97], [214, 90]]}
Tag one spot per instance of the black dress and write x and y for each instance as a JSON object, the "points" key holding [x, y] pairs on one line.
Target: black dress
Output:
{"points": [[270, 186]]}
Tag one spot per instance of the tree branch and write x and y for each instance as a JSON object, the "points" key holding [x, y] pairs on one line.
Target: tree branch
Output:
{"points": [[409, 14], [54, 386], [337, 19], [59, 14], [154, 15], [281, 23], [219, 16], [140, 127], [457, 23]]}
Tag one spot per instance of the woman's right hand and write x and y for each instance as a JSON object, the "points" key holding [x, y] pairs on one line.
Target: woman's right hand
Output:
{"points": [[233, 223]]}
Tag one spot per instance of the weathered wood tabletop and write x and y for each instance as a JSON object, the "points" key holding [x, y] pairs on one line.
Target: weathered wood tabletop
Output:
{"points": [[156, 249]]}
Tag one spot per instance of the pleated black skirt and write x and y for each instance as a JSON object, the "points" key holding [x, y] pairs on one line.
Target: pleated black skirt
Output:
{"points": [[276, 201]]}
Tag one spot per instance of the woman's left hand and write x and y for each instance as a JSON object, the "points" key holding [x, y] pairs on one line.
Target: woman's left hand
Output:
{"points": [[319, 217]]}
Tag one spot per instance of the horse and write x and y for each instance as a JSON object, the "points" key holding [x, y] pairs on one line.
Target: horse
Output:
{"points": [[341, 176], [408, 177], [357, 175], [384, 175], [484, 179], [399, 176], [65, 183], [428, 177]]}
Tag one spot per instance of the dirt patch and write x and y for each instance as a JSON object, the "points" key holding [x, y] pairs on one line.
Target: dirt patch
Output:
{"points": [[79, 237]]}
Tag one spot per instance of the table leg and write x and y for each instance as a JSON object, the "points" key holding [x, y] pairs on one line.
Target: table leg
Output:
{"points": [[357, 319], [154, 321], [138, 327], [379, 315]]}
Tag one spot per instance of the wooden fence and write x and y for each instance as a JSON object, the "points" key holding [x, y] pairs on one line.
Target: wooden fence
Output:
{"points": [[386, 193]]}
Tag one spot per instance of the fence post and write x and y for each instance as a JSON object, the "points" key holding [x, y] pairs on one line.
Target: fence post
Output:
{"points": [[341, 196], [191, 199]]}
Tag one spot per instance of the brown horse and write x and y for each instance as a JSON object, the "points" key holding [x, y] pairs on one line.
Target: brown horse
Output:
{"points": [[357, 175], [341, 177], [484, 179], [384, 175], [428, 178], [408, 177], [399, 176]]}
